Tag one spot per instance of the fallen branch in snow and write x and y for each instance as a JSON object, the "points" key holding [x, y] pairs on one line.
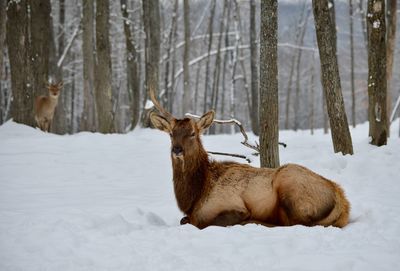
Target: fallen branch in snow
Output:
{"points": [[231, 154], [245, 142]]}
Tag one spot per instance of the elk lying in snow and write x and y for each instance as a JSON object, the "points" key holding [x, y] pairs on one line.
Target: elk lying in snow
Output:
{"points": [[228, 193], [45, 106]]}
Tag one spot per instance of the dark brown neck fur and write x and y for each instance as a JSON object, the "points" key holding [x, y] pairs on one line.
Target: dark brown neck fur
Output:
{"points": [[190, 177]]}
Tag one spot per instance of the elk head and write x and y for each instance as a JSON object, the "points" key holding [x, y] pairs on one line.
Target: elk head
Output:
{"points": [[54, 89], [185, 133]]}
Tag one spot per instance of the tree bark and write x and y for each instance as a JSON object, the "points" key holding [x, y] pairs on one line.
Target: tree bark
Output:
{"points": [[3, 17], [103, 70], [88, 117], [340, 133], [151, 21], [132, 67], [353, 96], [269, 118], [40, 43], [377, 112], [18, 52], [255, 123], [210, 40], [391, 44], [298, 62], [186, 100]]}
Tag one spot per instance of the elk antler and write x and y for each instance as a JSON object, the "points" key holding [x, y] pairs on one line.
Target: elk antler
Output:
{"points": [[157, 104]]}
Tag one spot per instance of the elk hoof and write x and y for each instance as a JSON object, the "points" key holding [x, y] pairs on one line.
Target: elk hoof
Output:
{"points": [[185, 220]]}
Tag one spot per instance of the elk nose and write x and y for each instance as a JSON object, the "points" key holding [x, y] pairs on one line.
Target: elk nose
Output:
{"points": [[177, 150]]}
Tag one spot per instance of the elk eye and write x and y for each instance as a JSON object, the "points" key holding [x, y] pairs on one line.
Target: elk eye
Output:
{"points": [[192, 134]]}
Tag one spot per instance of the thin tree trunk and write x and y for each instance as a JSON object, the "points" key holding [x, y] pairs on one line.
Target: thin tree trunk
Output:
{"points": [[207, 75], [186, 100], [103, 70], [56, 73], [377, 113], [391, 43], [353, 96], [88, 118], [18, 52], [151, 21], [292, 66], [363, 16], [168, 62], [132, 67], [217, 67], [72, 121], [298, 62], [340, 133], [312, 87], [3, 17], [254, 70], [269, 118]]}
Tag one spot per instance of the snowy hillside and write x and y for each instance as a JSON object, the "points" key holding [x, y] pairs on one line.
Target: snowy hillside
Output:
{"points": [[105, 202]]}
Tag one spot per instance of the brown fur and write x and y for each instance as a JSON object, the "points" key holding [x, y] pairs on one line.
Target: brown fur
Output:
{"points": [[227, 193], [45, 106]]}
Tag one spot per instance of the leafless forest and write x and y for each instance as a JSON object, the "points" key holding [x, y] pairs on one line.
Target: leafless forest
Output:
{"points": [[207, 55]]}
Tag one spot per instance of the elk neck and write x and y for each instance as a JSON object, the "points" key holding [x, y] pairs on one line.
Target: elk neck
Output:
{"points": [[190, 177]]}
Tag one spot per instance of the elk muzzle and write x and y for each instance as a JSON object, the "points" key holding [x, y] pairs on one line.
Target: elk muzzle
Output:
{"points": [[177, 151]]}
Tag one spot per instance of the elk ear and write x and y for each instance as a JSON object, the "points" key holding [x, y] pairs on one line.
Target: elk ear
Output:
{"points": [[205, 121], [160, 123]]}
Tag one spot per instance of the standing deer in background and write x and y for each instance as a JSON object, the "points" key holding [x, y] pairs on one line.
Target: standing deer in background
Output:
{"points": [[45, 106], [227, 193]]}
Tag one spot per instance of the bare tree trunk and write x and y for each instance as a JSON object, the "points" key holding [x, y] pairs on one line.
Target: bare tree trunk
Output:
{"points": [[391, 43], [132, 67], [292, 66], [363, 16], [168, 62], [312, 87], [18, 53], [186, 100], [353, 96], [217, 66], [269, 118], [298, 61], [377, 113], [3, 17], [207, 75], [151, 20], [103, 70], [330, 78], [56, 73], [254, 70], [88, 118], [40, 43]]}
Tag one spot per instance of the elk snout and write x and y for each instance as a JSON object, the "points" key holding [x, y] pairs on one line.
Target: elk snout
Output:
{"points": [[177, 150]]}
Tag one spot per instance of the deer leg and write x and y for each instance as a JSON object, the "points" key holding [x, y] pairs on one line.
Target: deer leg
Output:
{"points": [[229, 218]]}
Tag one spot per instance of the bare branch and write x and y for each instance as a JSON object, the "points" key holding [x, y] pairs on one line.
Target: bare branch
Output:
{"points": [[231, 154], [68, 47], [236, 122]]}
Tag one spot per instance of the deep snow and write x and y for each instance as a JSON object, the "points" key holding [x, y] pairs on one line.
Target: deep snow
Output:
{"points": [[105, 202]]}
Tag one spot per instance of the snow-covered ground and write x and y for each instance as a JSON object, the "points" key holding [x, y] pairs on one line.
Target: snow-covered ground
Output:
{"points": [[105, 202]]}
